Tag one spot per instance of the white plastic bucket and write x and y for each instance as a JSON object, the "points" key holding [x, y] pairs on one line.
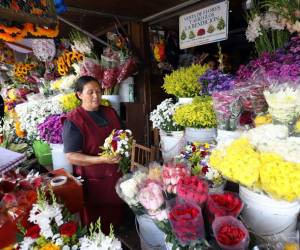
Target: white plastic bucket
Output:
{"points": [[114, 100], [171, 144], [126, 90], [59, 158], [185, 100], [200, 135], [226, 137], [152, 238], [268, 217]]}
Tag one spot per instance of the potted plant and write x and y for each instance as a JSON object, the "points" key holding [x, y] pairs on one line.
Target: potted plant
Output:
{"points": [[171, 134], [198, 118], [183, 82]]}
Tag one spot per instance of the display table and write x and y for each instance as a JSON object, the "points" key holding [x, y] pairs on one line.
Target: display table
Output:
{"points": [[69, 193]]}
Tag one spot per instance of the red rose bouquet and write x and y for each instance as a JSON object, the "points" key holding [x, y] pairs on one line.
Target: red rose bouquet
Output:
{"points": [[230, 233], [223, 205], [191, 188], [187, 222], [172, 172]]}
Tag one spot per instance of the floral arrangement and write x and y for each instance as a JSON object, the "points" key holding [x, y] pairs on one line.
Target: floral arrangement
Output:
{"points": [[259, 163], [192, 189], [162, 116], [225, 204], [187, 222], [22, 69], [171, 174], [198, 114], [96, 240], [53, 230], [184, 81], [215, 80], [64, 82], [65, 61], [284, 103], [81, 43], [51, 129], [69, 102], [31, 114], [119, 144], [197, 155]]}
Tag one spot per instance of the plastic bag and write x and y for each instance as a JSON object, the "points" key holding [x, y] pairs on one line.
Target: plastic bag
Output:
{"points": [[127, 69]]}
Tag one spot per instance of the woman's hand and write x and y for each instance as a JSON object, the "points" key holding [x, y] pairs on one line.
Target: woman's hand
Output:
{"points": [[110, 159]]}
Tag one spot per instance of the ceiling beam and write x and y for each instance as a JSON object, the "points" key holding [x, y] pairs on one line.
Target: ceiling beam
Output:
{"points": [[101, 14], [170, 10]]}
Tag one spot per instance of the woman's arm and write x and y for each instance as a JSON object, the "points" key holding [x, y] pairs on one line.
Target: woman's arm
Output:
{"points": [[80, 159]]}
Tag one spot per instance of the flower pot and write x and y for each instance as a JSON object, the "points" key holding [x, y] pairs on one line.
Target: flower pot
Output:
{"points": [[114, 100], [42, 152], [185, 100], [151, 237], [200, 135], [59, 158], [126, 90], [171, 143], [268, 217]]}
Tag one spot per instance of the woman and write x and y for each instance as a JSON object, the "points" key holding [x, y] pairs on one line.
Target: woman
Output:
{"points": [[85, 130]]}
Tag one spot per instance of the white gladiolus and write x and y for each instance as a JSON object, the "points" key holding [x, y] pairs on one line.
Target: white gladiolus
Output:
{"points": [[254, 29]]}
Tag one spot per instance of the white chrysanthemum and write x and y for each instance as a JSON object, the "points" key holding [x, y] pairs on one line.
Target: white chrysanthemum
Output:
{"points": [[254, 29], [26, 243]]}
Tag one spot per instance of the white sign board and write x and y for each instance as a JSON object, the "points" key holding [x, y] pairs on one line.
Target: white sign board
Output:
{"points": [[204, 26]]}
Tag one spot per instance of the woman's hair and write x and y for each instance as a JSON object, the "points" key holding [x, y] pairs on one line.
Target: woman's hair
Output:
{"points": [[82, 81]]}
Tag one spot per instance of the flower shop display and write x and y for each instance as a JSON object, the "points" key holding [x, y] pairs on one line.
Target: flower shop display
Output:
{"points": [[197, 155], [119, 144], [223, 204], [187, 222], [184, 81], [171, 134], [198, 118], [171, 174], [230, 233]]}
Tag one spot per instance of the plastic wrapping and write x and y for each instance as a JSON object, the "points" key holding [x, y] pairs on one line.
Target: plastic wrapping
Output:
{"points": [[187, 222], [127, 69], [92, 68], [225, 204], [230, 233], [172, 172], [192, 189]]}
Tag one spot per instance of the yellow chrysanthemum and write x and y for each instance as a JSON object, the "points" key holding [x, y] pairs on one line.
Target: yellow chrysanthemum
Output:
{"points": [[69, 102], [263, 119], [50, 246]]}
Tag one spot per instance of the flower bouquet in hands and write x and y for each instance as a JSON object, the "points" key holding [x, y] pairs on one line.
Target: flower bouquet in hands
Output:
{"points": [[119, 143]]}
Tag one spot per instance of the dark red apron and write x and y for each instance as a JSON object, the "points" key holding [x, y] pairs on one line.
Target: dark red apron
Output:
{"points": [[100, 196]]}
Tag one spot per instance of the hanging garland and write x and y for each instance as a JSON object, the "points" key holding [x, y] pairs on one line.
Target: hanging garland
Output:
{"points": [[65, 61], [14, 34]]}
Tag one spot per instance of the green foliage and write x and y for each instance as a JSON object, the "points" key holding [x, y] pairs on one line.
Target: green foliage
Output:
{"points": [[198, 114], [184, 81]]}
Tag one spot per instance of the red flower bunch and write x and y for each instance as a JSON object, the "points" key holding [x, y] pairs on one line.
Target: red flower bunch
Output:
{"points": [[230, 233], [187, 222], [222, 205], [68, 229], [172, 172], [191, 188], [33, 232]]}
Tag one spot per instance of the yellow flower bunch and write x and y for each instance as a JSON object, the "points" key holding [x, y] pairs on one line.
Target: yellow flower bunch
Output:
{"points": [[50, 246], [105, 102], [262, 119], [22, 69], [65, 61], [297, 126], [69, 102], [184, 81], [240, 163], [198, 114]]}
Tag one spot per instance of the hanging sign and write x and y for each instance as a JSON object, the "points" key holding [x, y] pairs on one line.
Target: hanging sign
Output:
{"points": [[204, 26]]}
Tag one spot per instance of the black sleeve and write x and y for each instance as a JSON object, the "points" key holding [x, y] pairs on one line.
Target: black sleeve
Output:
{"points": [[72, 137]]}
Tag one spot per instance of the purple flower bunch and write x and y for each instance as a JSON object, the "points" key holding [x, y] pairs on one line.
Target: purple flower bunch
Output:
{"points": [[282, 66], [215, 80], [51, 129]]}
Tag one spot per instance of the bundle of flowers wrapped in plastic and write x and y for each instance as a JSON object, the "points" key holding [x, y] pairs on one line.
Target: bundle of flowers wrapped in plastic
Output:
{"points": [[119, 144]]}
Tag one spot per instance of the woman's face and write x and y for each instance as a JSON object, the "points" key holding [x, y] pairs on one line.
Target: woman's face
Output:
{"points": [[90, 96]]}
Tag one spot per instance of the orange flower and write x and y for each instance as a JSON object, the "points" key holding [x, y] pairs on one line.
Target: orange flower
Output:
{"points": [[19, 132]]}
